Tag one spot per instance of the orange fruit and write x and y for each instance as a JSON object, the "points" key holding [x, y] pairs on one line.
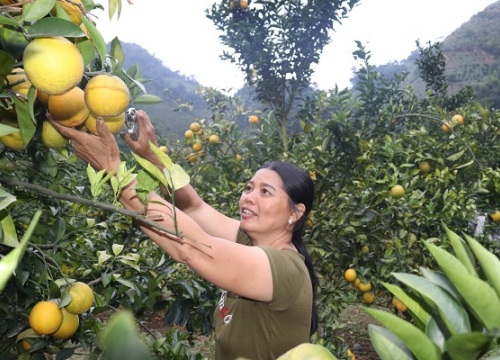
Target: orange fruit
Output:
{"points": [[397, 191], [214, 139], [82, 298], [106, 95], [495, 217], [457, 120], [424, 167], [192, 158], [197, 147], [238, 157], [69, 109], [68, 326], [365, 249], [350, 275], [53, 65], [447, 127], [114, 123], [195, 127], [368, 298], [18, 81], [13, 140], [163, 148], [253, 119], [188, 134], [356, 282], [243, 4], [45, 317], [51, 137], [365, 287]]}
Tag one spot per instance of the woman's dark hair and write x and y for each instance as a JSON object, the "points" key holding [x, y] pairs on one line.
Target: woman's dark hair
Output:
{"points": [[300, 189]]}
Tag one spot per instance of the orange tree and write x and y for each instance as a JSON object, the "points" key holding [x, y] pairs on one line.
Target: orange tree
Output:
{"points": [[275, 43]]}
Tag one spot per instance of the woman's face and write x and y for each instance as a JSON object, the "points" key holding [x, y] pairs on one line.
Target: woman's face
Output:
{"points": [[264, 205]]}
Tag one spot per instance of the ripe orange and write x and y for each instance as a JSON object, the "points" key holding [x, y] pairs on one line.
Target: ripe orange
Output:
{"points": [[18, 81], [26, 345], [365, 287], [192, 158], [368, 298], [238, 157], [45, 317], [253, 119], [398, 304], [53, 64], [243, 4], [197, 147], [69, 109], [68, 326], [114, 123], [457, 120], [51, 137], [163, 148], [495, 217], [13, 140], [195, 127], [397, 191], [82, 298], [107, 95], [188, 134], [447, 127], [214, 139], [350, 275]]}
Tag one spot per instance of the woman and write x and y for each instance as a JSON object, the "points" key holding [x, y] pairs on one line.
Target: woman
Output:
{"points": [[260, 261]]}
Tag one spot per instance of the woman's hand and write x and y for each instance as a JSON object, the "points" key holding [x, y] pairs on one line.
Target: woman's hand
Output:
{"points": [[101, 151], [140, 144]]}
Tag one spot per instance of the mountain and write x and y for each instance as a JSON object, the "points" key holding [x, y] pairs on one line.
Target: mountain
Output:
{"points": [[472, 55], [181, 104]]}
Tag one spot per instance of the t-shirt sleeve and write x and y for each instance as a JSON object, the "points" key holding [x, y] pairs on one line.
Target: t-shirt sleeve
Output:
{"points": [[289, 274]]}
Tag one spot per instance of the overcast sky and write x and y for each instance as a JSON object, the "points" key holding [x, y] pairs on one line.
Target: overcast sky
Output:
{"points": [[178, 33]]}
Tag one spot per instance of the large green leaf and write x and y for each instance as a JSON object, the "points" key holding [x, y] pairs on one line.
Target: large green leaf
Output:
{"points": [[387, 345], [462, 251], [8, 234], [37, 10], [9, 262], [97, 39], [52, 26], [453, 314], [468, 346], [414, 339], [488, 261], [439, 279], [435, 331], [480, 297], [418, 310]]}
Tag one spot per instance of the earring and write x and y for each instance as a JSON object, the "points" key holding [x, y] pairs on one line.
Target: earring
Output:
{"points": [[290, 221]]}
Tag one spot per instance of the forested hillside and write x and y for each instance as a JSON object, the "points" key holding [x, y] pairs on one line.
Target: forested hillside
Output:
{"points": [[472, 55]]}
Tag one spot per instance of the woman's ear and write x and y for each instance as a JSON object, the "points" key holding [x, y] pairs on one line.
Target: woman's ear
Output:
{"points": [[298, 211]]}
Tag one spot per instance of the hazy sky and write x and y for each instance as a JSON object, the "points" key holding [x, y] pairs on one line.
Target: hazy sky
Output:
{"points": [[178, 33]]}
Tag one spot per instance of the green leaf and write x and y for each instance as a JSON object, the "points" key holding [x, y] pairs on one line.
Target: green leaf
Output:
{"points": [[37, 10], [462, 252], [468, 346], [152, 169], [387, 345], [117, 52], [455, 156], [97, 39], [418, 311], [435, 331], [452, 312], [179, 177], [148, 99], [479, 296], [8, 233], [9, 262], [439, 279], [416, 341], [53, 26], [5, 198], [489, 263]]}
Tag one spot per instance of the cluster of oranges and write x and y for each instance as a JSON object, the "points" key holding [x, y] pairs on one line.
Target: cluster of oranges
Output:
{"points": [[241, 4], [47, 317], [365, 288], [194, 136], [456, 120], [54, 68]]}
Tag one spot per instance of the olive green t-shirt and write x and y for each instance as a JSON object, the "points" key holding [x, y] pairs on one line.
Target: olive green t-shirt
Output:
{"points": [[263, 331]]}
